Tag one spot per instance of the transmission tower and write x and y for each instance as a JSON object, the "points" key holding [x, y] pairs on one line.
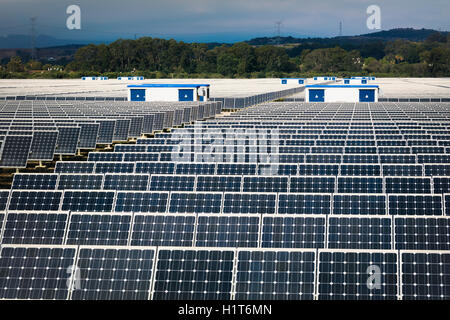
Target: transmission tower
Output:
{"points": [[33, 38], [340, 28], [278, 30]]}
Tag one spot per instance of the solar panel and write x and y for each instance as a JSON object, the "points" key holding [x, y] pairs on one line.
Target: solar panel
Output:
{"points": [[352, 275], [219, 183], [351, 232], [288, 231], [98, 229], [134, 157], [149, 202], [67, 140], [88, 135], [35, 272], [196, 168], [80, 181], [195, 202], [35, 200], [4, 195], [416, 205], [437, 169], [193, 274], [398, 159], [114, 167], [318, 169], [137, 182], [34, 228], [236, 169], [277, 169], [403, 170], [304, 203], [447, 204], [88, 201], [114, 273], [360, 170], [360, 159], [265, 184], [433, 158], [15, 151], [155, 167], [227, 231], [105, 156], [34, 181], [360, 185], [359, 204], [163, 230], [312, 184], [290, 158], [172, 183], [323, 158], [106, 131], [422, 233], [408, 185], [441, 185], [43, 145], [249, 203], [424, 275], [130, 148], [275, 275], [74, 167], [121, 129]]}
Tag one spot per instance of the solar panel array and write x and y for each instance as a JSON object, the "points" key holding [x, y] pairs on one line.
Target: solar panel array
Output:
{"points": [[279, 201]]}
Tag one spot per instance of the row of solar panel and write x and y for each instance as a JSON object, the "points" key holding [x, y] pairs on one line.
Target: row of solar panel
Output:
{"points": [[232, 183], [142, 273], [252, 169], [236, 203], [268, 146], [267, 231], [212, 155]]}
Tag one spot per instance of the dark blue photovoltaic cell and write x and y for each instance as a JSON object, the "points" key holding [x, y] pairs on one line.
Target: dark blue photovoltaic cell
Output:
{"points": [[34, 228], [114, 274], [275, 275], [196, 168], [155, 167], [99, 229], [318, 169], [236, 169], [402, 170], [35, 273], [80, 181], [360, 170], [249, 203], [441, 185], [312, 184], [359, 233], [437, 169], [123, 182], [357, 204], [172, 183], [219, 183], [265, 184], [88, 201], [74, 167], [447, 204], [227, 231], [344, 275], [193, 275], [425, 276], [304, 204], [277, 169], [105, 156], [293, 232], [323, 158], [422, 233], [416, 205], [35, 200], [4, 195], [163, 230], [408, 185], [150, 202], [114, 167], [360, 185], [34, 181], [195, 202], [398, 159]]}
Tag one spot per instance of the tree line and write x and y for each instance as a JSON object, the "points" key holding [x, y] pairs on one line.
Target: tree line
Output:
{"points": [[158, 58]]}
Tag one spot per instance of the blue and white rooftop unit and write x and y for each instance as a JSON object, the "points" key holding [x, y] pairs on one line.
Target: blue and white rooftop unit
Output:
{"points": [[130, 78], [341, 93], [94, 78], [356, 81], [324, 78], [366, 78], [300, 81], [168, 92]]}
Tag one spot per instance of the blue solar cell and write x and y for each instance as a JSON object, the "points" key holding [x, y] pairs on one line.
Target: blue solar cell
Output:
{"points": [[304, 203], [421, 233], [34, 228], [193, 275], [360, 159], [287, 231], [265, 184], [398, 159], [441, 185], [360, 170], [416, 205], [35, 200], [447, 204], [227, 231], [195, 202], [196, 168], [433, 158], [322, 158], [358, 204], [318, 169], [360, 185], [408, 185], [114, 167], [327, 149], [346, 275], [74, 167], [149, 202], [219, 183], [35, 273], [172, 183], [114, 274], [155, 167], [359, 233], [105, 156], [88, 201], [437, 169], [236, 169], [163, 230], [35, 181], [80, 181], [291, 158], [134, 157], [402, 170], [124, 182], [275, 275], [425, 275], [249, 203], [312, 184], [130, 148], [277, 169]]}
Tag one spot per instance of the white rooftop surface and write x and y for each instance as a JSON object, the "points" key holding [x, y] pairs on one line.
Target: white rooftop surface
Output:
{"points": [[408, 87], [116, 88], [390, 87]]}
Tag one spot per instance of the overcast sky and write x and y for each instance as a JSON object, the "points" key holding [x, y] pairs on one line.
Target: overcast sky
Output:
{"points": [[214, 20]]}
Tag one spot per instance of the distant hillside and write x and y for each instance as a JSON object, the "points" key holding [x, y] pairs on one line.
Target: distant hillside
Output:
{"points": [[58, 54], [387, 35]]}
